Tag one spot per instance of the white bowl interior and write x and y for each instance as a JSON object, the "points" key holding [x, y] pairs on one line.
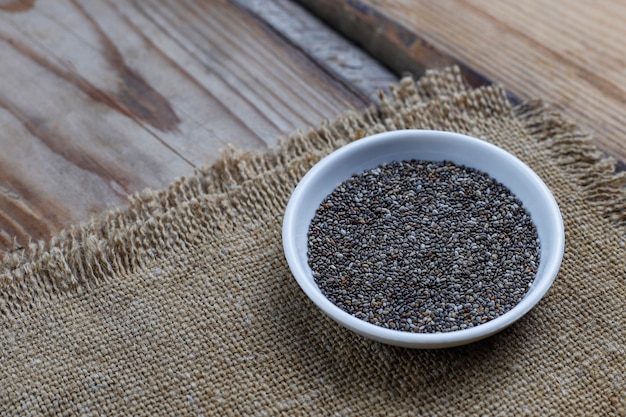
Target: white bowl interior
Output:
{"points": [[372, 151]]}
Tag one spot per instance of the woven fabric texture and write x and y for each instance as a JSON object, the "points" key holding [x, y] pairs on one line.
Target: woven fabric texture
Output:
{"points": [[183, 304]]}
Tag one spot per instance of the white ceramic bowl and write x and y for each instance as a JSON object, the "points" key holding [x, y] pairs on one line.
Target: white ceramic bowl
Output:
{"points": [[399, 145]]}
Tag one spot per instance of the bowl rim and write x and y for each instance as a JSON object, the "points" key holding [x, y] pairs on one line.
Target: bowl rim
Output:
{"points": [[546, 274]]}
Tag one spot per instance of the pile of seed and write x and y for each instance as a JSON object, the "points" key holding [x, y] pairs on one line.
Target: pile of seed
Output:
{"points": [[423, 247]]}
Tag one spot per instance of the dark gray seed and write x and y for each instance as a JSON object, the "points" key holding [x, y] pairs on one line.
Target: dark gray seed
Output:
{"points": [[423, 246]]}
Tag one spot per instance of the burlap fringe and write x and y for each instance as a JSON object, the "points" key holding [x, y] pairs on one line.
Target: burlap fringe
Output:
{"points": [[573, 151], [118, 242]]}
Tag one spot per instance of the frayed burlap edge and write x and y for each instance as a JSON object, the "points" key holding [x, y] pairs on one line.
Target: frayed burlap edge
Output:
{"points": [[572, 149], [114, 244]]}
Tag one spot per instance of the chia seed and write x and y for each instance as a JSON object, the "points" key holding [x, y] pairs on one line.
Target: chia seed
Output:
{"points": [[423, 246]]}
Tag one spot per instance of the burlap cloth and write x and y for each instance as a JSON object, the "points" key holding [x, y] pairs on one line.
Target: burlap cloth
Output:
{"points": [[183, 303]]}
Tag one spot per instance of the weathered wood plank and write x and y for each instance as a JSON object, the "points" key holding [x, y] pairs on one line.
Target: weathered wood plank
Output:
{"points": [[569, 54], [102, 98], [389, 42], [333, 53]]}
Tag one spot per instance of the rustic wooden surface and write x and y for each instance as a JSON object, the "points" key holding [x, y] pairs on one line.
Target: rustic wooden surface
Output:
{"points": [[570, 54], [103, 98]]}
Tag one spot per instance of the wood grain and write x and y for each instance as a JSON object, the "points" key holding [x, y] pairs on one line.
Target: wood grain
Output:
{"points": [[341, 59], [102, 98], [571, 54], [385, 39]]}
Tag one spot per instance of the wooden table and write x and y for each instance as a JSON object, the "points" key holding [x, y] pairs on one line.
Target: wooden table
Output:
{"points": [[100, 99]]}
